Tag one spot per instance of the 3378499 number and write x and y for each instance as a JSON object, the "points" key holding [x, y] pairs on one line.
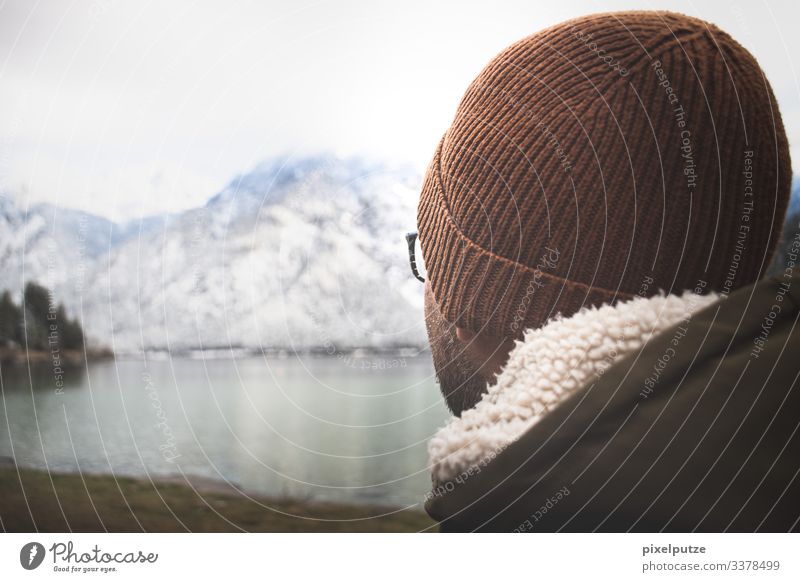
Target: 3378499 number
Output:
{"points": [[754, 565]]}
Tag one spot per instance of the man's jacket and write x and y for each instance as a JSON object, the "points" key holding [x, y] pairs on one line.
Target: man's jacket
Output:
{"points": [[668, 413]]}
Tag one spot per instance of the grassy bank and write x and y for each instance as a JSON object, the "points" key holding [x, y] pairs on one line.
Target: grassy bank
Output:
{"points": [[37, 501]]}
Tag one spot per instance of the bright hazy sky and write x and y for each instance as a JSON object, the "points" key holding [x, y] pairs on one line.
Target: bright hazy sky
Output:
{"points": [[127, 108]]}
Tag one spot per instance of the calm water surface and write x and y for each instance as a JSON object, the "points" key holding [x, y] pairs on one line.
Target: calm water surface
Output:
{"points": [[312, 427]]}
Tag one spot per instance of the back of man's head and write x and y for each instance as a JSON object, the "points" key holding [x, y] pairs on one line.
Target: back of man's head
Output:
{"points": [[607, 157]]}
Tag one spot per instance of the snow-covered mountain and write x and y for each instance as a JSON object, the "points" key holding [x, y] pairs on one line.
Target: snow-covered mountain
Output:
{"points": [[294, 254]]}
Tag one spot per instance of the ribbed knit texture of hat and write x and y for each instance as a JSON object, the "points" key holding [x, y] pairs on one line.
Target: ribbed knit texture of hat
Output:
{"points": [[607, 157]]}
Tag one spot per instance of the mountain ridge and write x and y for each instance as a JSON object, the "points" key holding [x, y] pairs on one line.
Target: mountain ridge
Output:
{"points": [[282, 254]]}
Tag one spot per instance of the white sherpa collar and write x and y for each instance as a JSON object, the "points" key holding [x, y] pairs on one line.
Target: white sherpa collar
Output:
{"points": [[548, 365]]}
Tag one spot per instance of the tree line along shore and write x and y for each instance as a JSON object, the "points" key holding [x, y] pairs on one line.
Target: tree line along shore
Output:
{"points": [[39, 331]]}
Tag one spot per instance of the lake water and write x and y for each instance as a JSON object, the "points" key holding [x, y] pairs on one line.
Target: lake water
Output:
{"points": [[312, 427]]}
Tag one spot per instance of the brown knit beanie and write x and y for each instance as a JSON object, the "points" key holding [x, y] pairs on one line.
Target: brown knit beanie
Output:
{"points": [[607, 157]]}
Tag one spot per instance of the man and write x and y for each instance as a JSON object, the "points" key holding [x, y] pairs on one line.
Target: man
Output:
{"points": [[596, 225]]}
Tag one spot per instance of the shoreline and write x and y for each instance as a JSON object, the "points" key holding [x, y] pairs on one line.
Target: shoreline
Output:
{"points": [[38, 501], [15, 357], [233, 352]]}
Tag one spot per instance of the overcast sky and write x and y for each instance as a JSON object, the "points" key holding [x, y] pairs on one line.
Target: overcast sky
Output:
{"points": [[127, 108]]}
